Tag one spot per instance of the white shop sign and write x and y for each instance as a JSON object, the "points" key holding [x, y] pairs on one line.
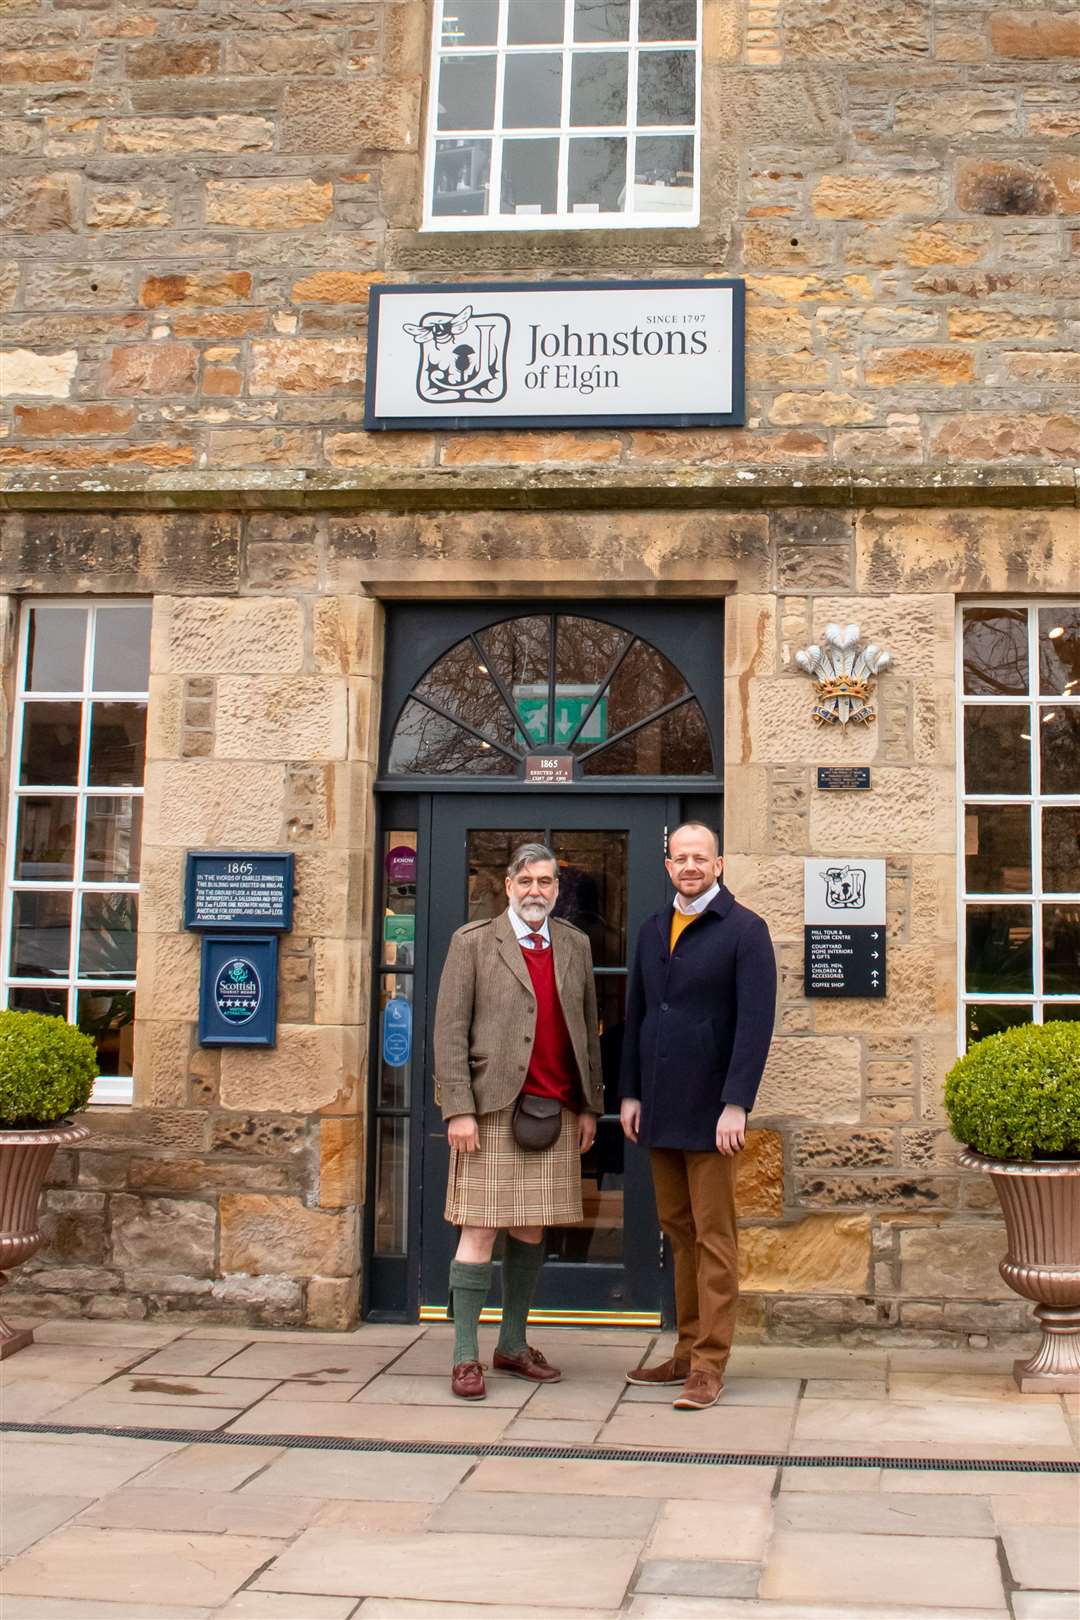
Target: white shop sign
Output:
{"points": [[556, 354]]}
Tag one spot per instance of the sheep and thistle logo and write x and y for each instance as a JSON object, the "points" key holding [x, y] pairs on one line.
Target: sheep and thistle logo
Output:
{"points": [[844, 675], [462, 356]]}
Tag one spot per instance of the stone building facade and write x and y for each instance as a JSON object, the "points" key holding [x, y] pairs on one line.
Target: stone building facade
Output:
{"points": [[199, 199]]}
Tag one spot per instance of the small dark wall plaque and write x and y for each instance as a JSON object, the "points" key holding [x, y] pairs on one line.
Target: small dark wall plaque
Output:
{"points": [[548, 770], [845, 778], [238, 990], [238, 889]]}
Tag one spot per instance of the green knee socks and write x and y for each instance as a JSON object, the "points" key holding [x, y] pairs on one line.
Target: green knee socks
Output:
{"points": [[520, 1269], [469, 1286]]}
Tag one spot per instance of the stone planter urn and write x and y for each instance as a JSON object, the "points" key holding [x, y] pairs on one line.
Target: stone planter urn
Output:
{"points": [[1041, 1205], [25, 1157]]}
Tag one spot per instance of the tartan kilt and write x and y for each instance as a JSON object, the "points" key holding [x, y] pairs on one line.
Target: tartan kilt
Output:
{"points": [[506, 1185]]}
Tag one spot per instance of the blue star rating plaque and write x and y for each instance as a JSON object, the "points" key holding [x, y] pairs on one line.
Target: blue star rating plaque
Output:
{"points": [[238, 990]]}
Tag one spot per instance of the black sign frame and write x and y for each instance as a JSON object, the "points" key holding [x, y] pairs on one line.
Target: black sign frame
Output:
{"points": [[204, 861], [260, 1029], [736, 417]]}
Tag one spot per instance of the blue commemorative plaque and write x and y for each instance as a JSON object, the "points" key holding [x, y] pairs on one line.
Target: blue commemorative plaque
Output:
{"points": [[238, 889], [238, 990]]}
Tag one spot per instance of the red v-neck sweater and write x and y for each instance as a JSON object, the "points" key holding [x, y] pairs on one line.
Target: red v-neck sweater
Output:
{"points": [[553, 1068]]}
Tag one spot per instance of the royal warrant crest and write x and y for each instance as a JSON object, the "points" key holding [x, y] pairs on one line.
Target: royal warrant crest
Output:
{"points": [[844, 675]]}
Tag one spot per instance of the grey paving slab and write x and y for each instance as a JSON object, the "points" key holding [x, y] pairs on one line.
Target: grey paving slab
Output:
{"points": [[379, 1608], [19, 1607], [1045, 1606], [1044, 1557], [87, 1465], [519, 1513], [945, 1573], [283, 1606], [352, 1364], [361, 1476], [189, 1355], [881, 1513], [24, 1519], [570, 1572], [698, 1577], [141, 1508], [584, 1477], [138, 1566], [205, 1467], [644, 1607]]}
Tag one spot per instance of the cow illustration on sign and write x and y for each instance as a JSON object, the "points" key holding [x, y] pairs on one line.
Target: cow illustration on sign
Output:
{"points": [[462, 356], [845, 888]]}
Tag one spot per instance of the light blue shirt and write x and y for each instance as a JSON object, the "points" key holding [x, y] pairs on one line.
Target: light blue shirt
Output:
{"points": [[693, 907], [523, 929]]}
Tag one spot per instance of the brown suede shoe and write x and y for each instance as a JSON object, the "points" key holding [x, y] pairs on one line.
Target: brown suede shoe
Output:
{"points": [[530, 1364], [467, 1381], [672, 1371], [703, 1388]]}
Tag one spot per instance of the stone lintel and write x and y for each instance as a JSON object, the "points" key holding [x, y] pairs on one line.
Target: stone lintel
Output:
{"points": [[542, 486]]}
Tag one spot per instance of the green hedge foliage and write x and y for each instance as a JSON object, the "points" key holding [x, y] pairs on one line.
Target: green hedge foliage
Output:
{"points": [[47, 1069], [1017, 1095]]}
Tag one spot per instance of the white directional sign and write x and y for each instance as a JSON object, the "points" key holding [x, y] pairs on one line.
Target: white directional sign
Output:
{"points": [[844, 934], [555, 354]]}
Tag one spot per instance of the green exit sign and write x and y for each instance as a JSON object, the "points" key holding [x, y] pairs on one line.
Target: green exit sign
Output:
{"points": [[571, 704]]}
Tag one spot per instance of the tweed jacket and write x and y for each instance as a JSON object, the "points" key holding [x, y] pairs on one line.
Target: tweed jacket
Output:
{"points": [[485, 1017]]}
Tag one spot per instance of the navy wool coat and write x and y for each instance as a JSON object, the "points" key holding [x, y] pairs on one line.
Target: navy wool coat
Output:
{"points": [[699, 1020]]}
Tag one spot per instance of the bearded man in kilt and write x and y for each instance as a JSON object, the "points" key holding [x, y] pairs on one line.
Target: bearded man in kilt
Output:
{"points": [[516, 1019]]}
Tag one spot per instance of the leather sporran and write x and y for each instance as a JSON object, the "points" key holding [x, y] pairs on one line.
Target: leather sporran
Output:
{"points": [[536, 1122]]}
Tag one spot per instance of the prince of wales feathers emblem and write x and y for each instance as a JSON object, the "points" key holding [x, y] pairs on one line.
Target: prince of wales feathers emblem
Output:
{"points": [[462, 357], [844, 675]]}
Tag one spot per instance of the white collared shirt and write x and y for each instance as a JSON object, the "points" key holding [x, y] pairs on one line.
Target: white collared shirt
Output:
{"points": [[694, 907], [523, 929]]}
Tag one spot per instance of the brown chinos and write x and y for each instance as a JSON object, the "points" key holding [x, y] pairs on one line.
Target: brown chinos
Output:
{"points": [[695, 1200]]}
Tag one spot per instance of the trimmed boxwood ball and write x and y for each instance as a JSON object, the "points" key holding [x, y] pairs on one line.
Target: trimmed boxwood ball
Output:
{"points": [[47, 1069], [1016, 1095]]}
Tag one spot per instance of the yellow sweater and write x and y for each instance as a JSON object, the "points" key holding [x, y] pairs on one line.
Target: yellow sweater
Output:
{"points": [[680, 920]]}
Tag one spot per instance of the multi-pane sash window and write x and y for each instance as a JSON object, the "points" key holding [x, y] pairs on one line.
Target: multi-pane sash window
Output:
{"points": [[567, 113], [74, 829], [1020, 847]]}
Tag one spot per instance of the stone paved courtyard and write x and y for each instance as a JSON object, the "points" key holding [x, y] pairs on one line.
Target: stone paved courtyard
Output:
{"points": [[103, 1527]]}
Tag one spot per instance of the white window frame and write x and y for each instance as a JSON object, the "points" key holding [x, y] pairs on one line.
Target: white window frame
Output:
{"points": [[1035, 799], [562, 219], [108, 1089]]}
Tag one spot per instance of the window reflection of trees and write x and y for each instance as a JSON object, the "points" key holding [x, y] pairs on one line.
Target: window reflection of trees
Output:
{"points": [[995, 650]]}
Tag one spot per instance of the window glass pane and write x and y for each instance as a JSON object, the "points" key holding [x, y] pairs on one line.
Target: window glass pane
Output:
{"points": [[1061, 848], [56, 650], [1061, 950], [399, 899], [518, 650], [666, 87], [643, 683], [535, 22], [396, 1036], [462, 173], [470, 22], [532, 91], [611, 1005], [391, 1186], [113, 842], [466, 92], [997, 849], [585, 649], [991, 1020], [109, 1017], [45, 839], [664, 173], [995, 650], [107, 937], [597, 176], [122, 648], [1068, 1011], [599, 1236], [117, 744], [427, 745], [1059, 743], [592, 890], [999, 949], [461, 684], [598, 87], [40, 935], [489, 850], [997, 748], [667, 19], [601, 19], [1059, 650], [675, 745], [50, 744], [52, 1002], [530, 177]]}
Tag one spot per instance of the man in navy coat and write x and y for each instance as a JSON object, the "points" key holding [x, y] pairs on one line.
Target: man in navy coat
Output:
{"points": [[699, 1019]]}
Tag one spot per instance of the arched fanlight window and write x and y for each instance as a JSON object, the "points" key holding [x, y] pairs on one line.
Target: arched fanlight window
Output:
{"points": [[552, 682]]}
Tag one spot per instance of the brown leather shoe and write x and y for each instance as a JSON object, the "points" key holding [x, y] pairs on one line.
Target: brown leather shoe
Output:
{"points": [[703, 1388], [467, 1381], [672, 1371], [530, 1364]]}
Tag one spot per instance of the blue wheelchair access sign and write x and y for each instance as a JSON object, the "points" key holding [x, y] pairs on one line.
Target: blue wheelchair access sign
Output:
{"points": [[397, 1033]]}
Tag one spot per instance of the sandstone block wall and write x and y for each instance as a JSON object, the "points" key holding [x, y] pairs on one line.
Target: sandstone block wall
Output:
{"points": [[198, 197]]}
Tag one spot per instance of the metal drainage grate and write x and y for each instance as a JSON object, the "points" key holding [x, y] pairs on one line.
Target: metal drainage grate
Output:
{"points": [[528, 1449]]}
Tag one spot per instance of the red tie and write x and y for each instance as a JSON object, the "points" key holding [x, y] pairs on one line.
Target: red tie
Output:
{"points": [[538, 942]]}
